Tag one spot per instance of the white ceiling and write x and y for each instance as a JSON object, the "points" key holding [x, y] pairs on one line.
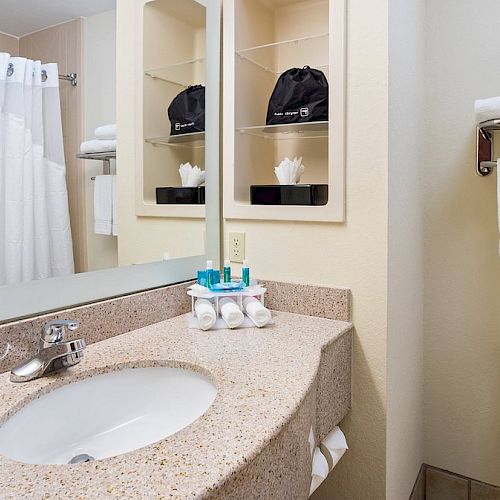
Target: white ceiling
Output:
{"points": [[20, 17]]}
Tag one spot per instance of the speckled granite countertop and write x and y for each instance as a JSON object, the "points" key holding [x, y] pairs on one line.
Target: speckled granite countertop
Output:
{"points": [[267, 379]]}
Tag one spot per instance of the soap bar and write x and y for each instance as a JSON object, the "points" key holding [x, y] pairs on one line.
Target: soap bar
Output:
{"points": [[232, 286]]}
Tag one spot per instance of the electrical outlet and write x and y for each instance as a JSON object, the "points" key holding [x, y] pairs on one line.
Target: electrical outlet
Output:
{"points": [[236, 247]]}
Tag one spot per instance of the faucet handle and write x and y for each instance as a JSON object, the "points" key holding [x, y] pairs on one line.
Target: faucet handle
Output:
{"points": [[53, 330]]}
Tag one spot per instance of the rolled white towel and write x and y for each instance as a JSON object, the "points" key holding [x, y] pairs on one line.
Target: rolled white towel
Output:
{"points": [[98, 146], [256, 311], [205, 313], [230, 312], [487, 109], [106, 132]]}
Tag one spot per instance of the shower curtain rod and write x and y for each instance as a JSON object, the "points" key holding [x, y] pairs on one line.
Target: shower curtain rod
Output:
{"points": [[72, 78]]}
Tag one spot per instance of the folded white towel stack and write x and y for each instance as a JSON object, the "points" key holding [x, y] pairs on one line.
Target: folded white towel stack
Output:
{"points": [[230, 312], [487, 109], [106, 132], [105, 212], [205, 313], [259, 315], [98, 146]]}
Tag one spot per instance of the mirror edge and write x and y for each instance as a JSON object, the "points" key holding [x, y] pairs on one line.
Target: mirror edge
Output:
{"points": [[40, 297], [35, 298]]}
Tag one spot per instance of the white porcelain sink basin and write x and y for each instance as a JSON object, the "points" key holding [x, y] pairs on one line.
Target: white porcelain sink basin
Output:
{"points": [[106, 415]]}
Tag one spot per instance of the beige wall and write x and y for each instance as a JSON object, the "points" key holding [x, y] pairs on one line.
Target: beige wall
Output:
{"points": [[63, 44], [9, 43], [462, 273], [99, 84], [353, 254], [405, 337]]}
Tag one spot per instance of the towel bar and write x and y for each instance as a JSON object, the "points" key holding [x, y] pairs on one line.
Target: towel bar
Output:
{"points": [[484, 147], [104, 157]]}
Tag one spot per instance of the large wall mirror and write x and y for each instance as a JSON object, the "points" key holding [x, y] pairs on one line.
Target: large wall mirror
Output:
{"points": [[109, 168]]}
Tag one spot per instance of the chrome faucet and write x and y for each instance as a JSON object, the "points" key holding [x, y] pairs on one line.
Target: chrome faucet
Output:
{"points": [[53, 354]]}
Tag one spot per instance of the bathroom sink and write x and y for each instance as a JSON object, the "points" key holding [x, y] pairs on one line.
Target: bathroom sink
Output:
{"points": [[106, 415]]}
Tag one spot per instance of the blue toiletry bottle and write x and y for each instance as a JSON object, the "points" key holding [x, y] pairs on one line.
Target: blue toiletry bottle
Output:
{"points": [[202, 278], [210, 274], [227, 271], [245, 273]]}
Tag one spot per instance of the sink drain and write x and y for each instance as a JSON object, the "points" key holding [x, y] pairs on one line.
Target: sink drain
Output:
{"points": [[82, 458]]}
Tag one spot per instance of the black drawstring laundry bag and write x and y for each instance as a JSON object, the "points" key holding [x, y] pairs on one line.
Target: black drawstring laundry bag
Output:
{"points": [[300, 95], [187, 111]]}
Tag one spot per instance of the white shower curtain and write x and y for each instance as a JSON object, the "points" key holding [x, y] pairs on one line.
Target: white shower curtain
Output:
{"points": [[35, 233]]}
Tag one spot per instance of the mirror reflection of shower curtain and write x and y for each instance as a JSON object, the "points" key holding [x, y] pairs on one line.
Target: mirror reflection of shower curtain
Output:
{"points": [[35, 232]]}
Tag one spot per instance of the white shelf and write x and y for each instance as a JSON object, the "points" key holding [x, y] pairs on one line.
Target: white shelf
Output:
{"points": [[303, 51], [306, 130], [181, 73], [194, 140]]}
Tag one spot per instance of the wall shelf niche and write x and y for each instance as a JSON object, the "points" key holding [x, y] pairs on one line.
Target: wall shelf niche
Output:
{"points": [[173, 58], [262, 39]]}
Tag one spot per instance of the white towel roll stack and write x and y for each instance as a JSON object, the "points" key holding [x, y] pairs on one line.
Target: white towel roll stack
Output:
{"points": [[260, 315], [230, 312], [205, 313]]}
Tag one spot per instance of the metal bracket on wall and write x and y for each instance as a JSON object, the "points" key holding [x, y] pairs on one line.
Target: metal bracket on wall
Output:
{"points": [[484, 147]]}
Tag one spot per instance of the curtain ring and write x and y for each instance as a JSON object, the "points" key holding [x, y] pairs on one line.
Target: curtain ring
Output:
{"points": [[10, 69]]}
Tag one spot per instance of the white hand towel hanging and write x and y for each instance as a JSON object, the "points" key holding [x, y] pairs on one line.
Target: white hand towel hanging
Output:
{"points": [[104, 205], [114, 223]]}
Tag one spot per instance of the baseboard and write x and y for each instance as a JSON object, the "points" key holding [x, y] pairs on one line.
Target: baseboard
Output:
{"points": [[433, 483]]}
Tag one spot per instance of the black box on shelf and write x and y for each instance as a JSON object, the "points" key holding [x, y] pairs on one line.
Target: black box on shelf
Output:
{"points": [[180, 195], [295, 194]]}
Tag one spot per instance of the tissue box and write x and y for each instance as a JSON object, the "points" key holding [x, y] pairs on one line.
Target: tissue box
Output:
{"points": [[180, 195], [296, 194]]}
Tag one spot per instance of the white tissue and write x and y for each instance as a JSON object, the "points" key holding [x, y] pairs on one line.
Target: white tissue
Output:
{"points": [[333, 447], [324, 459], [230, 312], [319, 470], [191, 176], [205, 313], [289, 171], [259, 315], [312, 441]]}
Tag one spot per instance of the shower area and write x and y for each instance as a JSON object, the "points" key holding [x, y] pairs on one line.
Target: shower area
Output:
{"points": [[76, 91], [61, 46]]}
